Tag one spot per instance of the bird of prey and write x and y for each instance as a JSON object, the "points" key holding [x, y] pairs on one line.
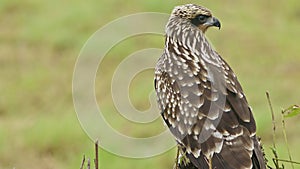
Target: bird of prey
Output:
{"points": [[200, 98]]}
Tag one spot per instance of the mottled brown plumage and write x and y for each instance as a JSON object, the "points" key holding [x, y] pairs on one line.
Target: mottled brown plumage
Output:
{"points": [[201, 100]]}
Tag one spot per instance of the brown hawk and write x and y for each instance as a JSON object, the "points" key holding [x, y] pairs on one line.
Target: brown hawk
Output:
{"points": [[200, 98]]}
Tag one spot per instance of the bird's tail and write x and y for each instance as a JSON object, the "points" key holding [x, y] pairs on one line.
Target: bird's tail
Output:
{"points": [[218, 162]]}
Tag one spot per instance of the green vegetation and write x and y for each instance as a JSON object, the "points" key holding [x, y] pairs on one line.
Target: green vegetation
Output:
{"points": [[40, 42]]}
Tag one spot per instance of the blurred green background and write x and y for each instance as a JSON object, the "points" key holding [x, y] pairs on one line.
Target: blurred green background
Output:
{"points": [[39, 45]]}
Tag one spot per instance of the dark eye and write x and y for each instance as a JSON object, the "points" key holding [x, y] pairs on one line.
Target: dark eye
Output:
{"points": [[202, 18], [199, 20]]}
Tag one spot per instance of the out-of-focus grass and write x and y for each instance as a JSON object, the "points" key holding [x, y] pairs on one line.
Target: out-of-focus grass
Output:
{"points": [[40, 41]]}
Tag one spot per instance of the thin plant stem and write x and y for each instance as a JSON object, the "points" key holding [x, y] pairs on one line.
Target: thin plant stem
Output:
{"points": [[274, 131], [288, 161], [82, 163], [177, 156], [97, 155], [285, 138]]}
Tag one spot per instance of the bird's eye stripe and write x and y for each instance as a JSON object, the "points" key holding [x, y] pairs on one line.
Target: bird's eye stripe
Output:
{"points": [[199, 19], [202, 16]]}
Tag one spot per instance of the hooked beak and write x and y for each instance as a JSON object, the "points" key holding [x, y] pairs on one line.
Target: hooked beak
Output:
{"points": [[212, 21]]}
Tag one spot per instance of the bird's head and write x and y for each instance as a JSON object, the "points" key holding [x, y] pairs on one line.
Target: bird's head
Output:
{"points": [[198, 16]]}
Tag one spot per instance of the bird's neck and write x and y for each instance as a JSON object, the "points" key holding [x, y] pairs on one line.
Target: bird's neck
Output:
{"points": [[182, 30], [183, 33]]}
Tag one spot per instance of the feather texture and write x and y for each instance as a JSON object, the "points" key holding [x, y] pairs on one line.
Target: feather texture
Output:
{"points": [[202, 102]]}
